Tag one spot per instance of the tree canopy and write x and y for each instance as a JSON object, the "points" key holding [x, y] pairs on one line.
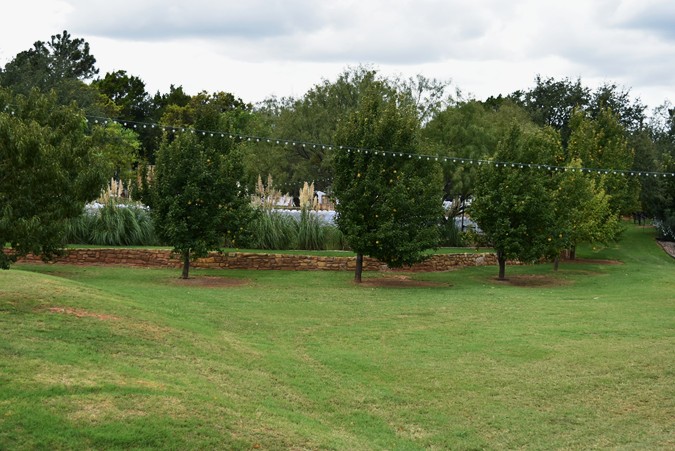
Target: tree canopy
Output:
{"points": [[512, 203], [196, 198], [388, 206], [48, 170], [47, 64]]}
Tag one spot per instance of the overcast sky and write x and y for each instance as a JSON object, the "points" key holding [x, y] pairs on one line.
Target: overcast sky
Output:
{"points": [[259, 48]]}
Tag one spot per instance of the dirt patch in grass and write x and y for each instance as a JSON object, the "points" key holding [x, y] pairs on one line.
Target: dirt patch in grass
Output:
{"points": [[399, 281], [591, 261], [80, 313], [210, 282], [533, 281]]}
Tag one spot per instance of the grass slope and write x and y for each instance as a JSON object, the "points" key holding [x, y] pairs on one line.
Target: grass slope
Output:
{"points": [[116, 358]]}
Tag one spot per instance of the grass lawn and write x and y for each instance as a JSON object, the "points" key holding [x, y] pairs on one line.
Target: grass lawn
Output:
{"points": [[118, 358]]}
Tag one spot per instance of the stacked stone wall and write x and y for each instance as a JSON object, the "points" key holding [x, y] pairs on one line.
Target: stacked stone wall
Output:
{"points": [[268, 261]]}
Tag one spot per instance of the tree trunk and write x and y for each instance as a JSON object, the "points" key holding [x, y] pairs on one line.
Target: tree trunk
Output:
{"points": [[502, 265], [359, 268], [573, 253], [186, 264], [556, 263]]}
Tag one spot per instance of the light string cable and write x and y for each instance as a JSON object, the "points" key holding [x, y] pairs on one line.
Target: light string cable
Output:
{"points": [[147, 125], [135, 125]]}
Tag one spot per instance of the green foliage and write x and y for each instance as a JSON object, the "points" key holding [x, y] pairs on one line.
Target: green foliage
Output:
{"points": [[469, 130], [62, 65], [314, 118], [47, 64], [601, 143], [218, 111], [334, 238], [388, 206], [196, 200], [553, 102], [113, 225], [513, 206], [582, 211], [128, 94], [430, 96], [464, 131], [119, 148], [48, 171]]}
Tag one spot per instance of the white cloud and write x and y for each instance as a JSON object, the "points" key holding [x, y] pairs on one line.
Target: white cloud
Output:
{"points": [[283, 47], [400, 31], [23, 23], [651, 16], [171, 20]]}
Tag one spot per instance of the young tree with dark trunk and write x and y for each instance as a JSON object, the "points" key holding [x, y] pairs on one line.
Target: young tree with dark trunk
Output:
{"points": [[389, 199], [196, 199], [513, 204]]}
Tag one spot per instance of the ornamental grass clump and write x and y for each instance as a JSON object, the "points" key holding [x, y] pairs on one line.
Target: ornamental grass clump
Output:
{"points": [[271, 229], [277, 228], [118, 221], [310, 227]]}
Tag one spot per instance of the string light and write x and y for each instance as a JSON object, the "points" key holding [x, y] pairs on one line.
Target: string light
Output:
{"points": [[314, 145]]}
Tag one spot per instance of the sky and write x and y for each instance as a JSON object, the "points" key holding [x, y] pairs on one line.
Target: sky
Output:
{"points": [[261, 48]]}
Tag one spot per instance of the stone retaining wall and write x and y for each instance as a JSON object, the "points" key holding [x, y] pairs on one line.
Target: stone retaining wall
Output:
{"points": [[245, 260]]}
